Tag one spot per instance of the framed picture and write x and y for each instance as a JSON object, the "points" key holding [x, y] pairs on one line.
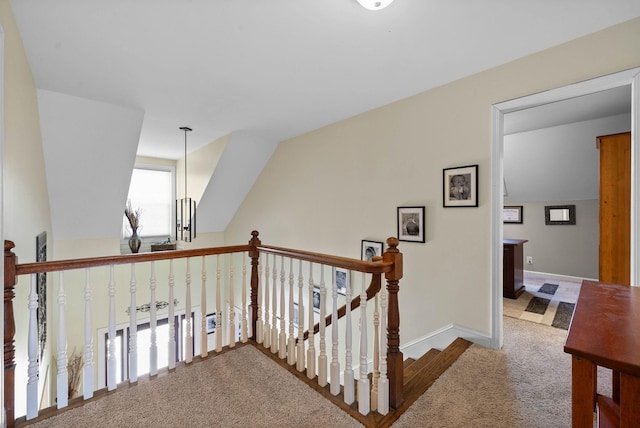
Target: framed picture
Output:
{"points": [[296, 315], [411, 224], [370, 249], [41, 281], [341, 278], [316, 299], [460, 186], [512, 214], [558, 215], [211, 323]]}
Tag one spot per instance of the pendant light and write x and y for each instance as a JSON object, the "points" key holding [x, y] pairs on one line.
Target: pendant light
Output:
{"points": [[185, 207], [375, 4]]}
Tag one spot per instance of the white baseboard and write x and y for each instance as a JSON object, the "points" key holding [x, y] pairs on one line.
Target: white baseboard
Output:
{"points": [[557, 276], [442, 338]]}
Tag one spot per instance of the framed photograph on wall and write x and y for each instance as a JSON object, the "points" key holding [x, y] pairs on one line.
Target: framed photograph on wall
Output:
{"points": [[411, 224], [512, 214], [341, 278], [41, 281], [316, 299], [370, 249], [296, 315], [460, 186], [211, 323]]}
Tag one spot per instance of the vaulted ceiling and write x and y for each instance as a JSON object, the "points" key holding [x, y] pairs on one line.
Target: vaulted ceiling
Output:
{"points": [[266, 71]]}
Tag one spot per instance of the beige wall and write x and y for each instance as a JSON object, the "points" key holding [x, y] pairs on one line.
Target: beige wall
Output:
{"points": [[329, 189], [25, 208]]}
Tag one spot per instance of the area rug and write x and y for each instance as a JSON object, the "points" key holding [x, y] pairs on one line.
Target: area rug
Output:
{"points": [[545, 301]]}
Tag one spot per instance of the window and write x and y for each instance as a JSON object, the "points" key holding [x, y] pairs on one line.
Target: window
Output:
{"points": [[151, 191]]}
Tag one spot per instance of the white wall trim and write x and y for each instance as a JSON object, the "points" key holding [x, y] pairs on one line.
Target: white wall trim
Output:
{"points": [[2, 132], [557, 276], [623, 78], [442, 338]]}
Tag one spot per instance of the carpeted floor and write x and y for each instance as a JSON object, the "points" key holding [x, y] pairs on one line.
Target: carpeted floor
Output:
{"points": [[545, 301]]}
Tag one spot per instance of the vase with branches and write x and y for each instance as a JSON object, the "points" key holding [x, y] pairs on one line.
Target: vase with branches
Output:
{"points": [[134, 222]]}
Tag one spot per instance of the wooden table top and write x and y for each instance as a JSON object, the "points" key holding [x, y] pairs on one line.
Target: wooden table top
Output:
{"points": [[605, 327]]}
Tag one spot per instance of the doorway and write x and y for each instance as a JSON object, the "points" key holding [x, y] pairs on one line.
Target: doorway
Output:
{"points": [[628, 77]]}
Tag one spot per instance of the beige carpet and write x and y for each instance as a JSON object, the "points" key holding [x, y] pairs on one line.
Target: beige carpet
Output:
{"points": [[526, 384]]}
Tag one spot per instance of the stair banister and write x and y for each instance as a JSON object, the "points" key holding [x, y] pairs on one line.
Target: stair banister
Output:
{"points": [[395, 371]]}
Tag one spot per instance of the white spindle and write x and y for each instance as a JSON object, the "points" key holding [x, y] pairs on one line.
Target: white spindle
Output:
{"points": [[188, 340], [32, 349], [383, 383], [376, 356], [133, 328], [274, 308], [219, 323], [204, 341], [364, 401], [322, 359], [232, 310], [259, 321], [244, 336], [282, 345], [172, 319], [112, 363], [87, 386], [311, 351], [267, 326], [335, 362], [349, 389], [291, 344], [153, 324], [63, 375], [300, 345]]}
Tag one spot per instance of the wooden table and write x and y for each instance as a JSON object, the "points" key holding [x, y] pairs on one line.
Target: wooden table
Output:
{"points": [[605, 331]]}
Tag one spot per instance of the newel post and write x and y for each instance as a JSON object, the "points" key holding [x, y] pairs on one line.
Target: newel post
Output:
{"points": [[9, 332], [254, 254], [395, 370]]}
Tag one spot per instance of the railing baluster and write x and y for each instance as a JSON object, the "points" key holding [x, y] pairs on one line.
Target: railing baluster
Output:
{"points": [[349, 389], [322, 359], [87, 386], [188, 340], [232, 309], [219, 323], [311, 352], [260, 321], [112, 363], [274, 310], [244, 333], [335, 362], [300, 347], [133, 329], [267, 326], [32, 349], [364, 403], [172, 319], [376, 356], [291, 344], [282, 346], [204, 341], [63, 375], [153, 324], [383, 383]]}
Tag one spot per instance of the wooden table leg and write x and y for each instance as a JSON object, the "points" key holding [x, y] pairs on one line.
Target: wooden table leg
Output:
{"points": [[615, 387], [629, 399], [583, 390]]}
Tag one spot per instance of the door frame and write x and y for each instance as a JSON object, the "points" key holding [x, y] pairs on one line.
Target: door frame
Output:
{"points": [[611, 81]]}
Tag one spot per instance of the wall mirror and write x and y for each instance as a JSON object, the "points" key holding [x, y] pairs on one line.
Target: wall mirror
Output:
{"points": [[559, 214]]}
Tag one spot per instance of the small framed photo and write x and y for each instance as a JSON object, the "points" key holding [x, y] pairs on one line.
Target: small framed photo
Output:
{"points": [[341, 278], [460, 186], [211, 323], [316, 299], [411, 224], [512, 214], [296, 315], [370, 249]]}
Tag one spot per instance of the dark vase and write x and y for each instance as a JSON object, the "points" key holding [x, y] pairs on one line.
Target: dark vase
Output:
{"points": [[134, 241]]}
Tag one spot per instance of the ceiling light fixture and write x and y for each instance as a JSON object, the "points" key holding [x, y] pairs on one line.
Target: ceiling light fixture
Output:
{"points": [[185, 207], [375, 4]]}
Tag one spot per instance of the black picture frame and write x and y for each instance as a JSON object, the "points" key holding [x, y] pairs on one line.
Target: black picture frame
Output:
{"points": [[211, 323], [512, 214], [411, 224], [41, 281], [341, 279], [460, 186], [567, 215], [368, 249], [316, 299]]}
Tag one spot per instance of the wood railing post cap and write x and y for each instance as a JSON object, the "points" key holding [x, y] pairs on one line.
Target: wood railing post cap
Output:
{"points": [[393, 242], [8, 245]]}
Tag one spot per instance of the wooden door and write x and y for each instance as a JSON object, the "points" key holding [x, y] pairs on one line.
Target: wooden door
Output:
{"points": [[615, 208]]}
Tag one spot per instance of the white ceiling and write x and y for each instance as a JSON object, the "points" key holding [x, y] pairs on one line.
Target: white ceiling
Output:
{"points": [[280, 68]]}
